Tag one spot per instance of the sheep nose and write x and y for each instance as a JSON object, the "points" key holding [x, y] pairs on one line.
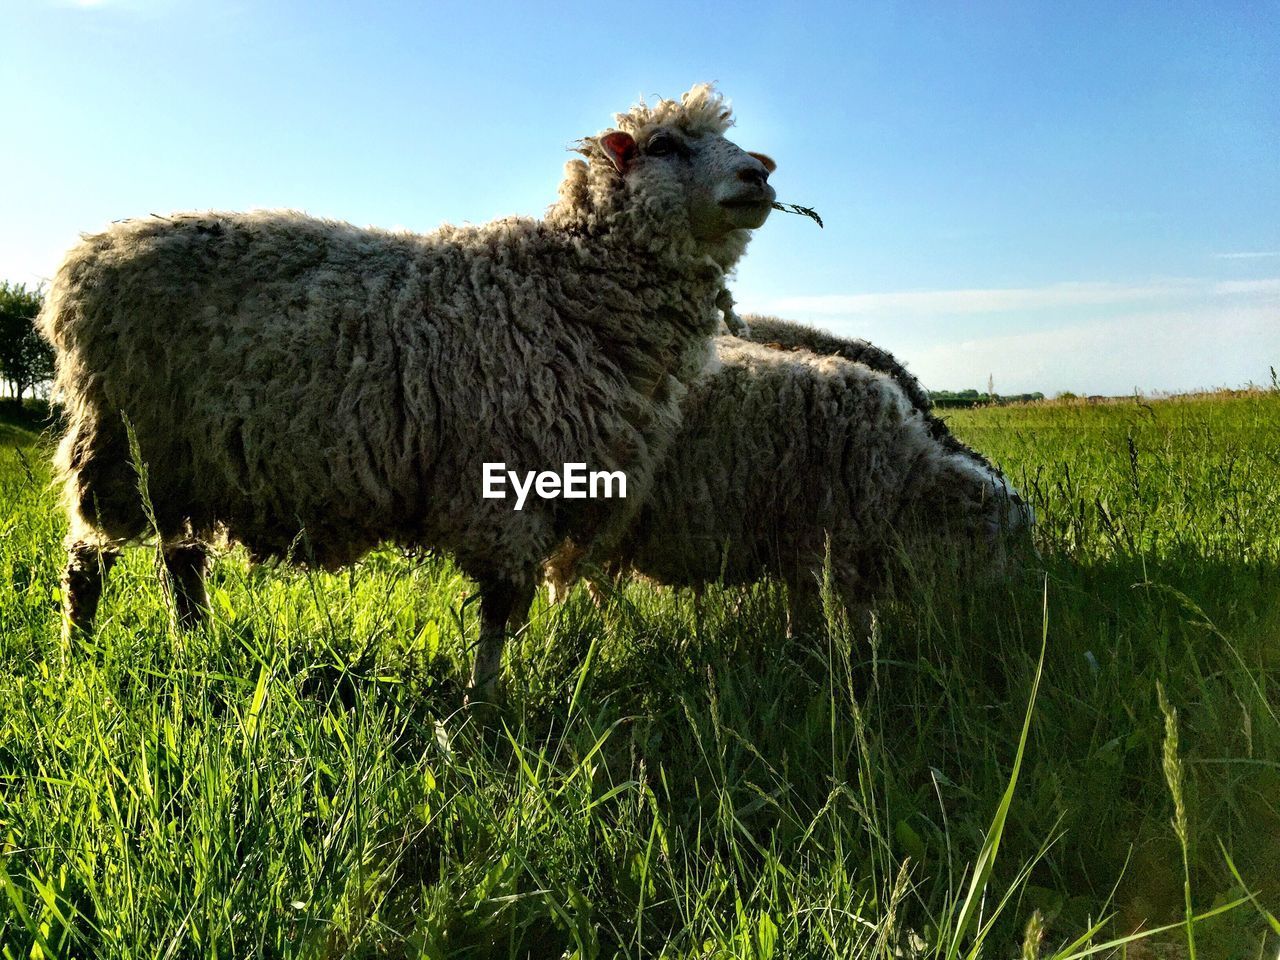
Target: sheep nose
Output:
{"points": [[756, 175]]}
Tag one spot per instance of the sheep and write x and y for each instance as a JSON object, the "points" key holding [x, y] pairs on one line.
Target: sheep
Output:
{"points": [[310, 389], [783, 451], [790, 335]]}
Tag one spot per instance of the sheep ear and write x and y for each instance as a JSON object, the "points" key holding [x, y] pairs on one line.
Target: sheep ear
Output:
{"points": [[620, 148], [767, 160]]}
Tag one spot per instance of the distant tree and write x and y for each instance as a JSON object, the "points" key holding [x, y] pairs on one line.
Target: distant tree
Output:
{"points": [[972, 398], [26, 361]]}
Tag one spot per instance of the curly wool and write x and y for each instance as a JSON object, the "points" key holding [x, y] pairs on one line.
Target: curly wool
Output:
{"points": [[790, 335], [781, 450], [594, 199], [312, 389]]}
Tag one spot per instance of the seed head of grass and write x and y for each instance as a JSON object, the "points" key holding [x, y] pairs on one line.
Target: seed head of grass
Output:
{"points": [[797, 208]]}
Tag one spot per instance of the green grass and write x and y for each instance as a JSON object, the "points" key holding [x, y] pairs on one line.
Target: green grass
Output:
{"points": [[296, 780]]}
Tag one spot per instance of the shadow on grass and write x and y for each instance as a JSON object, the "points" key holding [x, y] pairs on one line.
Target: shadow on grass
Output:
{"points": [[750, 758], [659, 779]]}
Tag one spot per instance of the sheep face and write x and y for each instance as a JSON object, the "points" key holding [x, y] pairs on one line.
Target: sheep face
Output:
{"points": [[974, 490], [700, 177]]}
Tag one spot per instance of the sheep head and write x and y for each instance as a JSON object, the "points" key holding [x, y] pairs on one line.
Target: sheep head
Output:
{"points": [[970, 499], [715, 183], [681, 172]]}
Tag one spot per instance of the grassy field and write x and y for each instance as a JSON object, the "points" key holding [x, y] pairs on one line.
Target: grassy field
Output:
{"points": [[298, 781]]}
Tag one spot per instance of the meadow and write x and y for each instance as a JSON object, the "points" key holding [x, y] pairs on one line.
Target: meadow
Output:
{"points": [[1053, 765]]}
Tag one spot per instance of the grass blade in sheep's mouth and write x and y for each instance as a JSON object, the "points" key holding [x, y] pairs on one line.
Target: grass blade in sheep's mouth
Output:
{"points": [[796, 208]]}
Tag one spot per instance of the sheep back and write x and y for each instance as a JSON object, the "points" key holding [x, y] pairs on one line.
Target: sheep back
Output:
{"points": [[790, 335]]}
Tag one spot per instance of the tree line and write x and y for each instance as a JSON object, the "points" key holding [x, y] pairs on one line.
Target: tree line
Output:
{"points": [[26, 360], [972, 398]]}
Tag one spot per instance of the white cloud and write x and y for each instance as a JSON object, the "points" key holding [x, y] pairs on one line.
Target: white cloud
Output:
{"points": [[1012, 299], [1248, 255], [128, 7], [1268, 286], [1167, 335], [1186, 350]]}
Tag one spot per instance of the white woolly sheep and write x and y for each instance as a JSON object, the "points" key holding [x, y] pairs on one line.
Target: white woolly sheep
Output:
{"points": [[782, 451], [790, 335], [311, 389]]}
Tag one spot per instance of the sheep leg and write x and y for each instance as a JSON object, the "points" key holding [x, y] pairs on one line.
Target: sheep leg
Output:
{"points": [[187, 564], [82, 583], [501, 601], [804, 604], [596, 590]]}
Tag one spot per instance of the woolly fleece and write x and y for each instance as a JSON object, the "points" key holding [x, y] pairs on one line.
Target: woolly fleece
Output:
{"points": [[780, 449], [790, 335], [311, 389]]}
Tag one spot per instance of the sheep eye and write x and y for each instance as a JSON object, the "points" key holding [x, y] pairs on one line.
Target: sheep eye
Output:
{"points": [[661, 146]]}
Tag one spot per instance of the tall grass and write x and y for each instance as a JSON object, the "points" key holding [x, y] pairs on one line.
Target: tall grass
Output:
{"points": [[991, 773]]}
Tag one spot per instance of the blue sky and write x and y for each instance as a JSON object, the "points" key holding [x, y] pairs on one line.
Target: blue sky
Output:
{"points": [[1074, 197]]}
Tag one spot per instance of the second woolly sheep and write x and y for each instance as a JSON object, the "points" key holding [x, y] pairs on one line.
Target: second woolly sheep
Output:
{"points": [[783, 451]]}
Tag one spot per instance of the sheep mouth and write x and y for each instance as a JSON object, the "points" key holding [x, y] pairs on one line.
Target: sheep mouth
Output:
{"points": [[753, 201], [748, 210]]}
